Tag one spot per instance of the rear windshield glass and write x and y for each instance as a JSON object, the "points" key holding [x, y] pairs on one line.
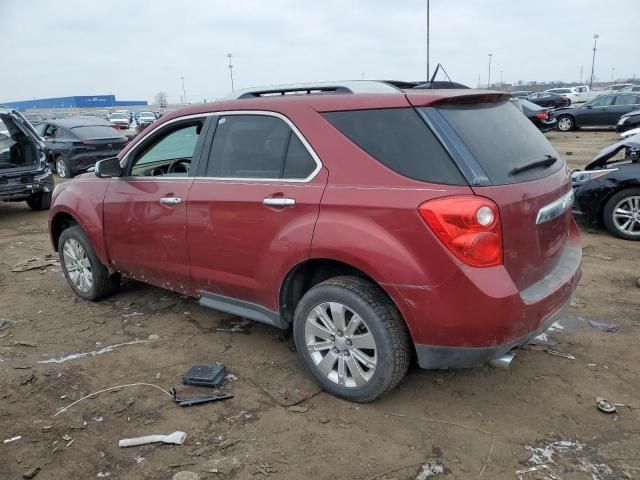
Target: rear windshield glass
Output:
{"points": [[401, 140], [501, 138], [96, 131]]}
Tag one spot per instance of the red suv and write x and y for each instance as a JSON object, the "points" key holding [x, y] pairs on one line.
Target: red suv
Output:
{"points": [[379, 226]]}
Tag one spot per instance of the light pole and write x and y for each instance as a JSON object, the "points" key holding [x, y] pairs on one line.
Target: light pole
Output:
{"points": [[229, 55], [500, 78], [428, 14], [613, 70], [593, 60], [184, 93], [581, 73], [489, 76]]}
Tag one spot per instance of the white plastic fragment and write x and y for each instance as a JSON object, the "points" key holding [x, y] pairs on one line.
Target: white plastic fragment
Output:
{"points": [[13, 439], [176, 438]]}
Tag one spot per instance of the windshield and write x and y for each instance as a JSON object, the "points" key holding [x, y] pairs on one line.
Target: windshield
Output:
{"points": [[119, 116], [500, 138]]}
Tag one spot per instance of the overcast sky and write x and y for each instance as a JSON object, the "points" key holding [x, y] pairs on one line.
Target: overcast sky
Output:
{"points": [[136, 48]]}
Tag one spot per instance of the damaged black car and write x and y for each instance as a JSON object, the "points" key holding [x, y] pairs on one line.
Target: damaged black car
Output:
{"points": [[24, 173], [607, 191]]}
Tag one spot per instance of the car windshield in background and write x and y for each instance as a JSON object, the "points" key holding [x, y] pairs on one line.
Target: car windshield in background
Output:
{"points": [[560, 90], [119, 115], [501, 139], [96, 131]]}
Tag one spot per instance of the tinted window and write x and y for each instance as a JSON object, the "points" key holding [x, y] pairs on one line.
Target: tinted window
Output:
{"points": [[298, 163], [248, 146], [626, 100], [401, 140], [63, 133], [501, 138], [96, 131]]}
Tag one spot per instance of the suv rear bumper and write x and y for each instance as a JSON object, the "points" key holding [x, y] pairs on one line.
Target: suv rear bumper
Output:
{"points": [[25, 185], [435, 357]]}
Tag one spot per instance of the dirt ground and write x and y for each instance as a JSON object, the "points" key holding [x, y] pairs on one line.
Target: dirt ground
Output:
{"points": [[436, 424]]}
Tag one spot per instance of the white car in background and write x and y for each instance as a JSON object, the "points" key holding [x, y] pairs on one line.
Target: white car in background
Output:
{"points": [[575, 94]]}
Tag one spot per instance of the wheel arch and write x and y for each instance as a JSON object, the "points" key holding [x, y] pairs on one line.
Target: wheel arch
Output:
{"points": [[60, 221]]}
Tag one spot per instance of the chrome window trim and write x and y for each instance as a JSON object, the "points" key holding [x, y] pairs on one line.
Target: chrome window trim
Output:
{"points": [[555, 208], [267, 113]]}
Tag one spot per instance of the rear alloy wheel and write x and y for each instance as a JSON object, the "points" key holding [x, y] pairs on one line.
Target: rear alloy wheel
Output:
{"points": [[621, 214], [351, 338], [62, 168], [566, 123], [87, 277]]}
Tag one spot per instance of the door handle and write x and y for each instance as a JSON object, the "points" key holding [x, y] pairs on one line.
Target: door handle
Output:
{"points": [[170, 200], [279, 202]]}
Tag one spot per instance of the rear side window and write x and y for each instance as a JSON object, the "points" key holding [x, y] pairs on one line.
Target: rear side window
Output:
{"points": [[96, 131], [401, 140], [257, 146], [626, 100], [501, 138]]}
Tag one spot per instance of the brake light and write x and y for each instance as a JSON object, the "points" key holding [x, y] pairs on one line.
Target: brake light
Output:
{"points": [[542, 116], [468, 225]]}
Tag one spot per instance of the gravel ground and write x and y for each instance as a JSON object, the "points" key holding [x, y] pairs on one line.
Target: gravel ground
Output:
{"points": [[56, 348]]}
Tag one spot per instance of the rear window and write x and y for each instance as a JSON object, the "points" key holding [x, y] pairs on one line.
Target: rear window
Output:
{"points": [[501, 138], [401, 140], [96, 131]]}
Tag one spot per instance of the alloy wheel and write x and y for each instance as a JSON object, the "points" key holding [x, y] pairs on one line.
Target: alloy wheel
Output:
{"points": [[565, 124], [340, 344], [626, 215], [61, 168], [77, 265]]}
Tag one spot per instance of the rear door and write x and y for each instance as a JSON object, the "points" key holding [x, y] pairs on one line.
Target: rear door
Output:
{"points": [[622, 104], [495, 139], [145, 214], [253, 207]]}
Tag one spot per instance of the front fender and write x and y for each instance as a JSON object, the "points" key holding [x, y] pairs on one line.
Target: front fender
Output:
{"points": [[82, 198]]}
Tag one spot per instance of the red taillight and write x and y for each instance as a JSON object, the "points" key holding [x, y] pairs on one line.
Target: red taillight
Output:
{"points": [[542, 116], [469, 226]]}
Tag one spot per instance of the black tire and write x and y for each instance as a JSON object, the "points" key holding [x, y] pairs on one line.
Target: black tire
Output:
{"points": [[383, 321], [103, 283], [40, 201], [567, 120], [65, 171], [608, 213]]}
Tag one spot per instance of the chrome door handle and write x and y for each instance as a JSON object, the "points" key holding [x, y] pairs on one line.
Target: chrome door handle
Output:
{"points": [[170, 200], [279, 202]]}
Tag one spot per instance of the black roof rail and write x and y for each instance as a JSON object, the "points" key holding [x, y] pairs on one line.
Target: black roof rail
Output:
{"points": [[295, 90]]}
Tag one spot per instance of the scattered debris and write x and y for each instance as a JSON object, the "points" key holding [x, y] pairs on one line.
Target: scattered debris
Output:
{"points": [[66, 437], [13, 439], [605, 406], [558, 353], [130, 401], [36, 263], [23, 343], [117, 387], [139, 459], [205, 376], [31, 473], [604, 326], [547, 475], [107, 349], [5, 323], [153, 337], [297, 409], [176, 438], [103, 474], [187, 402], [429, 470], [543, 455], [186, 475], [238, 325]]}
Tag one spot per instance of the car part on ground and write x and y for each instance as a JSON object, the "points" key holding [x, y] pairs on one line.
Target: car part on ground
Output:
{"points": [[446, 194], [24, 173], [608, 189], [602, 111]]}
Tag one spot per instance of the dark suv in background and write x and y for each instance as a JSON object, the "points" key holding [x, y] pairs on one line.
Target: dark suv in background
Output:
{"points": [[75, 144], [24, 173]]}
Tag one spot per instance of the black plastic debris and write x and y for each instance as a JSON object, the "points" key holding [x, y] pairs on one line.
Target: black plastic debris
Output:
{"points": [[187, 402], [205, 376]]}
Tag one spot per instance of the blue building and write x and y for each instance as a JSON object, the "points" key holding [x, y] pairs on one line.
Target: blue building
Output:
{"points": [[80, 101]]}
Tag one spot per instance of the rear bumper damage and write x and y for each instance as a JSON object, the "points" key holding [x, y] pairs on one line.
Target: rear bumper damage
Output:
{"points": [[19, 188]]}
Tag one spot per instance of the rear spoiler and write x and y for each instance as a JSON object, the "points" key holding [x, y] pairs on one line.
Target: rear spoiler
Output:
{"points": [[455, 97]]}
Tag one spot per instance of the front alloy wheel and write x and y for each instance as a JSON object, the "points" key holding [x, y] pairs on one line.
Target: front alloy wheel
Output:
{"points": [[340, 344], [77, 265], [622, 214]]}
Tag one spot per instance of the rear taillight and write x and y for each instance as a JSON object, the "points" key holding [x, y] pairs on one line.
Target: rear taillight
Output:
{"points": [[542, 116], [469, 226]]}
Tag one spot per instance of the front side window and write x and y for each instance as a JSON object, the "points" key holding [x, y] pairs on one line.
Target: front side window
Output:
{"points": [[257, 146], [170, 154]]}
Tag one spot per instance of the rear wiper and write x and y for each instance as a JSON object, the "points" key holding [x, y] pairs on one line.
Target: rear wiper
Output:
{"points": [[546, 161]]}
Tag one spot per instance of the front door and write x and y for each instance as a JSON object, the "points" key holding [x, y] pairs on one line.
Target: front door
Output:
{"points": [[145, 210], [252, 210], [595, 112]]}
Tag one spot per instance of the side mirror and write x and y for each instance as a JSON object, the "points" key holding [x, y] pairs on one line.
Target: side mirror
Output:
{"points": [[107, 168]]}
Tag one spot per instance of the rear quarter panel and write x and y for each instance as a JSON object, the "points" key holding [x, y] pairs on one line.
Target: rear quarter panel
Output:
{"points": [[83, 198]]}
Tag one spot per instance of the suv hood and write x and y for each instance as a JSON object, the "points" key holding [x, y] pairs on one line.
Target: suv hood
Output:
{"points": [[608, 153]]}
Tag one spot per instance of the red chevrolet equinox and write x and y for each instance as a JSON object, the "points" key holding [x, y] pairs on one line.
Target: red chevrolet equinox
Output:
{"points": [[381, 225]]}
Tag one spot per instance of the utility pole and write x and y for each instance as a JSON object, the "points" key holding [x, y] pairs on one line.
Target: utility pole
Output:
{"points": [[593, 60], [184, 93], [229, 55], [613, 69], [581, 67], [428, 33], [489, 76], [500, 78]]}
